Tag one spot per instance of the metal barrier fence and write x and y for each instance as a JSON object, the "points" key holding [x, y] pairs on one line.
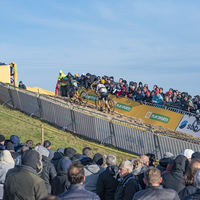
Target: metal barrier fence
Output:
{"points": [[126, 136]]}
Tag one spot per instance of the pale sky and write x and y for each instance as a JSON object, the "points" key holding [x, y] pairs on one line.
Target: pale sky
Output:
{"points": [[155, 42]]}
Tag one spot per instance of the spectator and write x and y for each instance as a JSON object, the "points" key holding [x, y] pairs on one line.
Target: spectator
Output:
{"points": [[10, 148], [62, 84], [16, 141], [157, 98], [21, 85], [139, 96], [191, 107], [6, 163], [30, 143], [60, 182], [82, 80], [196, 194], [87, 151], [47, 145], [89, 80], [25, 183], [2, 142], [92, 171], [145, 160], [122, 92], [58, 156], [140, 86], [184, 104], [174, 179], [69, 152], [189, 178], [154, 190], [147, 98], [152, 159], [107, 181], [168, 101], [196, 155], [22, 150], [176, 103], [161, 92], [77, 191], [188, 154], [48, 171]]}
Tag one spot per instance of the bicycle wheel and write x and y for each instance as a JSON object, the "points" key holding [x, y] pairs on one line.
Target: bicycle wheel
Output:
{"points": [[196, 125], [84, 98], [111, 103]]}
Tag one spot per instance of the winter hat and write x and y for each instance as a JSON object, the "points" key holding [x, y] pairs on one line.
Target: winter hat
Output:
{"points": [[6, 158], [168, 155], [88, 74], [47, 143], [51, 154], [9, 146], [196, 155], [75, 157], [43, 151], [2, 138], [61, 150], [32, 158], [15, 140], [69, 152], [156, 91], [98, 159], [65, 163], [187, 153]]}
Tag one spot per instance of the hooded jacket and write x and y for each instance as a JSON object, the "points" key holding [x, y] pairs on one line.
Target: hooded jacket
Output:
{"points": [[92, 172], [174, 179], [138, 173], [16, 141], [163, 162], [56, 158], [61, 75], [107, 183], [190, 189], [89, 81]]}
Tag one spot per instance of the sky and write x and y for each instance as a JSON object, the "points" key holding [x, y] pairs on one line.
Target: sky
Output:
{"points": [[155, 42]]}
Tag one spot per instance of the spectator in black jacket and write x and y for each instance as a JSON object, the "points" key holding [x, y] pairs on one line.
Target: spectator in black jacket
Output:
{"points": [[174, 179], [89, 80], [196, 194], [21, 85], [147, 98], [128, 185], [189, 178], [2, 142], [107, 182], [76, 177], [154, 190]]}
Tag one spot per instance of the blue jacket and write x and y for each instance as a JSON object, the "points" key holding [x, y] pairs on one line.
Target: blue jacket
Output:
{"points": [[157, 99], [139, 96], [78, 192]]}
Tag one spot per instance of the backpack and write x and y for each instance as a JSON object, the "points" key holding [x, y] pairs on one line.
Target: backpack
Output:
{"points": [[140, 188]]}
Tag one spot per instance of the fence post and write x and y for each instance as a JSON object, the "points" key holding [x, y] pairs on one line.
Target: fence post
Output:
{"points": [[112, 133], [157, 145], [73, 120], [42, 135]]}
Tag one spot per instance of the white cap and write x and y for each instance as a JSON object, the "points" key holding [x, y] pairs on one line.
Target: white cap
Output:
{"points": [[187, 153]]}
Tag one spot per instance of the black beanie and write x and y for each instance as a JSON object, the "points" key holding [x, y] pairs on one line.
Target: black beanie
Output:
{"points": [[69, 152], [2, 138], [98, 159], [196, 155], [9, 146]]}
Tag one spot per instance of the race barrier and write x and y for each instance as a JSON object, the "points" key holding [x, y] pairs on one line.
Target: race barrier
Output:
{"points": [[127, 136]]}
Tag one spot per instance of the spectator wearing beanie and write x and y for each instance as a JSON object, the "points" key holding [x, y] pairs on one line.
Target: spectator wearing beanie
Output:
{"points": [[2, 142], [6, 163], [60, 183], [48, 171], [163, 162], [188, 153], [69, 152], [196, 155], [25, 183], [10, 147], [16, 141]]}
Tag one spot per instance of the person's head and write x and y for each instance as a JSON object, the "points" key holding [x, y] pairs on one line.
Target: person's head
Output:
{"points": [[112, 78], [145, 159], [156, 92], [152, 93], [111, 160], [82, 76], [69, 152], [137, 163], [152, 177], [174, 99], [98, 159], [47, 144], [154, 87], [20, 83], [88, 75], [189, 97], [125, 168], [193, 167], [2, 139], [148, 94], [140, 84], [144, 89], [152, 159], [30, 143], [197, 179], [188, 153], [161, 90], [76, 75], [146, 85], [60, 72], [174, 93], [185, 98], [139, 91], [108, 81], [65, 164], [76, 174], [120, 80], [87, 151]]}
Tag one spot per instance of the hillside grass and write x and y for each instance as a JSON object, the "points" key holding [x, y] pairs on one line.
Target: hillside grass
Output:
{"points": [[29, 131]]}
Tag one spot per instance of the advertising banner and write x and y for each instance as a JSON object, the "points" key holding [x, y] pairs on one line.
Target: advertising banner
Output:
{"points": [[185, 126]]}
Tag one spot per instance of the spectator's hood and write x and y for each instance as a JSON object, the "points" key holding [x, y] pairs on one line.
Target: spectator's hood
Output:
{"points": [[113, 170], [180, 164]]}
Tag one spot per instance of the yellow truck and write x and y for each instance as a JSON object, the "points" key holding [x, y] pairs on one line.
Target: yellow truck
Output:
{"points": [[8, 73]]}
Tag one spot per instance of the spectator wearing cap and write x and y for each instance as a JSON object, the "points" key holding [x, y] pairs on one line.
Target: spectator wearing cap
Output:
{"points": [[196, 194], [47, 145], [122, 92], [10, 148], [157, 98], [155, 191], [6, 163], [174, 179], [108, 180], [139, 96], [48, 171], [147, 98], [25, 182], [21, 85], [2, 142], [60, 182], [89, 80], [92, 171], [190, 188], [188, 154]]}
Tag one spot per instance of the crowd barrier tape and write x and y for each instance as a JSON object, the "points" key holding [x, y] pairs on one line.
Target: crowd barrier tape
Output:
{"points": [[185, 125]]}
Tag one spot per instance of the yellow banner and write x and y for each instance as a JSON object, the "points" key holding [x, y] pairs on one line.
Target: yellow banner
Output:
{"points": [[40, 90]]}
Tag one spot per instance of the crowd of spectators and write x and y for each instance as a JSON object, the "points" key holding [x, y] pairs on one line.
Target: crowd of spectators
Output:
{"points": [[136, 92], [36, 172]]}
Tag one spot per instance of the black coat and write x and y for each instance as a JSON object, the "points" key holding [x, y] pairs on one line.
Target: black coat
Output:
{"points": [[193, 196], [48, 173], [107, 183], [55, 160], [60, 183], [156, 193], [163, 162], [90, 80], [78, 192], [126, 189], [174, 179], [187, 190]]}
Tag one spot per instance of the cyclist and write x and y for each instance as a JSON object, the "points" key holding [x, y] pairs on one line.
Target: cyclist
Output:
{"points": [[103, 94], [74, 85]]}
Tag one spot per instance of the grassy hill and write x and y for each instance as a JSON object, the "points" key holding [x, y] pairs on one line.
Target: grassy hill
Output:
{"points": [[14, 122]]}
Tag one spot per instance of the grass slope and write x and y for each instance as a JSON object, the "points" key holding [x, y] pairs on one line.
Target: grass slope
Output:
{"points": [[29, 131]]}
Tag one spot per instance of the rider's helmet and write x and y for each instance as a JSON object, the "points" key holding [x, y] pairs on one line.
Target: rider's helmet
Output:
{"points": [[76, 75], [103, 81]]}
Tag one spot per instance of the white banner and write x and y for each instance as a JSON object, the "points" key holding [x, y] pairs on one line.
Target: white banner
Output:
{"points": [[185, 126]]}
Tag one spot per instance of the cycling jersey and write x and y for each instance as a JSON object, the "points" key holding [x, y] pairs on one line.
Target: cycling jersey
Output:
{"points": [[101, 88], [74, 83]]}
